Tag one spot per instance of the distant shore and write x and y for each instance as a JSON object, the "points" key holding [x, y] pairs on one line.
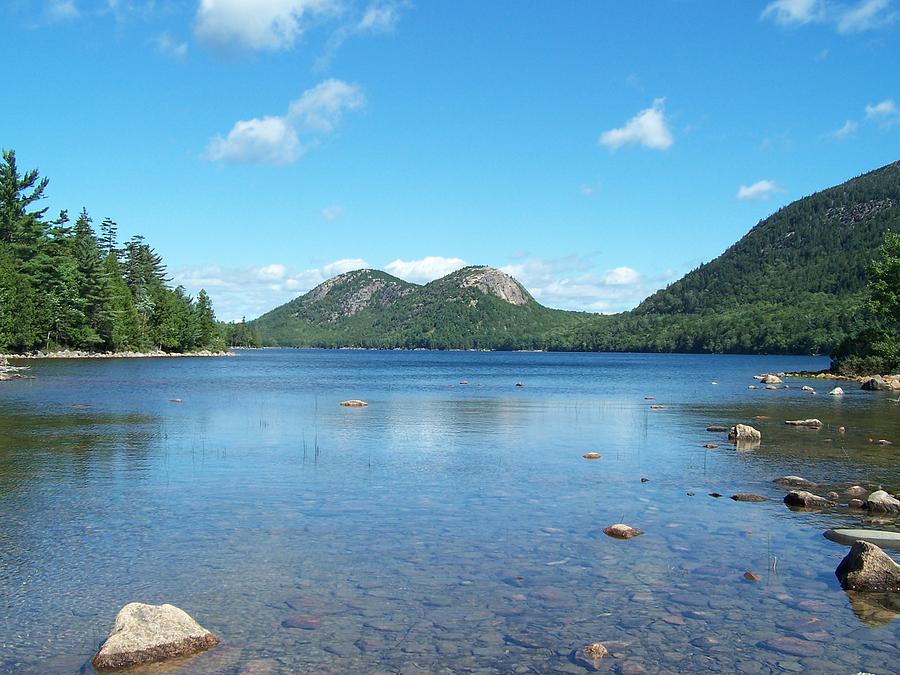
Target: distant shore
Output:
{"points": [[78, 354]]}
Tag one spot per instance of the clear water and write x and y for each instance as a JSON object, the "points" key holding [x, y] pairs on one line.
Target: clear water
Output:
{"points": [[444, 528]]}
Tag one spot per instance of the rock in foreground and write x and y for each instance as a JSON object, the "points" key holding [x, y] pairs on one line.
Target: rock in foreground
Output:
{"points": [[867, 568], [744, 432], [146, 633], [806, 500]]}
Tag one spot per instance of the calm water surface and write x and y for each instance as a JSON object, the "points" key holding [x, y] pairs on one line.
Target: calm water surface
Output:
{"points": [[444, 528]]}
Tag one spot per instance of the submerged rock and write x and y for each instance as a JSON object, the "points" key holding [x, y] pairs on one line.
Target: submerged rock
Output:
{"points": [[837, 391], [794, 481], [793, 646], [744, 432], [621, 531], [710, 446], [716, 428], [881, 502], [812, 423], [354, 403], [751, 576], [856, 504], [592, 455], [806, 387], [867, 568], [849, 536], [146, 633], [302, 622], [806, 500], [747, 497]]}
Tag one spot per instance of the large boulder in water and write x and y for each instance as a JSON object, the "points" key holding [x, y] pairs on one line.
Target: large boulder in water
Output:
{"points": [[867, 568], [771, 379], [744, 432], [877, 383], [146, 633], [881, 502], [801, 499]]}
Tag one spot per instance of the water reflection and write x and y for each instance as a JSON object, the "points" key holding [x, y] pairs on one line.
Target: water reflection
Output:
{"points": [[443, 527]]}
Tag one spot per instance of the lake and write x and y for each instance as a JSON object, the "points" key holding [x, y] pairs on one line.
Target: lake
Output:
{"points": [[446, 527]]}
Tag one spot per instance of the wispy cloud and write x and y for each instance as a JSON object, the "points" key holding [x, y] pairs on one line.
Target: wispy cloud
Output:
{"points": [[762, 189], [575, 282], [62, 10], [277, 139], [794, 12], [251, 291], [332, 213], [884, 113], [169, 46], [259, 25], [846, 131], [425, 269], [846, 17], [648, 128], [378, 18]]}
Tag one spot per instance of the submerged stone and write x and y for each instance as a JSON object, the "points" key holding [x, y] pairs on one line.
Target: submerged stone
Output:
{"points": [[807, 500], [621, 531]]}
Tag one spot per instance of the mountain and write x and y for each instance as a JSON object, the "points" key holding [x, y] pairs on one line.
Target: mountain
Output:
{"points": [[793, 284], [472, 308]]}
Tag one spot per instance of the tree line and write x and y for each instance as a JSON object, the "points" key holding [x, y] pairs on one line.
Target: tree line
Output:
{"points": [[72, 285]]}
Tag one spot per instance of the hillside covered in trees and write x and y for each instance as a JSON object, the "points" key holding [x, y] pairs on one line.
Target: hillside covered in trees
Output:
{"points": [[796, 283], [66, 284], [472, 308]]}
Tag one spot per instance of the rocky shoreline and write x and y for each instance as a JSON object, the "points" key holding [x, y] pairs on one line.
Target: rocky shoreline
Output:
{"points": [[78, 354], [872, 382]]}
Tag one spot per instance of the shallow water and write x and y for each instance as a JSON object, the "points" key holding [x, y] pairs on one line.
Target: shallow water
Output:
{"points": [[444, 528]]}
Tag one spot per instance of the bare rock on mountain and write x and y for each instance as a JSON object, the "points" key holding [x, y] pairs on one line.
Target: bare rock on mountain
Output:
{"points": [[494, 282]]}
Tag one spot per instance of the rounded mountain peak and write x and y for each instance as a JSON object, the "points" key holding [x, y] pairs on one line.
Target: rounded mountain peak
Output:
{"points": [[491, 281]]}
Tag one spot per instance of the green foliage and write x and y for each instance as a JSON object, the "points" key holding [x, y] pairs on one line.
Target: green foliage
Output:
{"points": [[240, 334], [62, 286], [369, 308], [875, 346]]}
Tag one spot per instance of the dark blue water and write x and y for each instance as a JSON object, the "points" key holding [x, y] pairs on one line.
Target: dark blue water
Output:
{"points": [[443, 528]]}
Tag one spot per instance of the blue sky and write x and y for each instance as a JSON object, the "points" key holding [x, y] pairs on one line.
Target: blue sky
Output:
{"points": [[595, 150]]}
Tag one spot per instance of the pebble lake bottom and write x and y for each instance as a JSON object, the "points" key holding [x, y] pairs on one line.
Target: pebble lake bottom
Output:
{"points": [[443, 528]]}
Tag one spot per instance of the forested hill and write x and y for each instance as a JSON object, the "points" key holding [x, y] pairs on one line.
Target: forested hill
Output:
{"points": [[472, 308], [820, 244], [794, 284], [67, 284]]}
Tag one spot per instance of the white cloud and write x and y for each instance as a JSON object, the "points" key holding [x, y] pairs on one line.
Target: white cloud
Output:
{"points": [[62, 10], [867, 15], [251, 291], [762, 189], [344, 265], [621, 276], [885, 113], [425, 269], [845, 17], [276, 139], [332, 213], [263, 25], [378, 18], [793, 12], [648, 128], [270, 272], [846, 131], [574, 282], [169, 46], [267, 140]]}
